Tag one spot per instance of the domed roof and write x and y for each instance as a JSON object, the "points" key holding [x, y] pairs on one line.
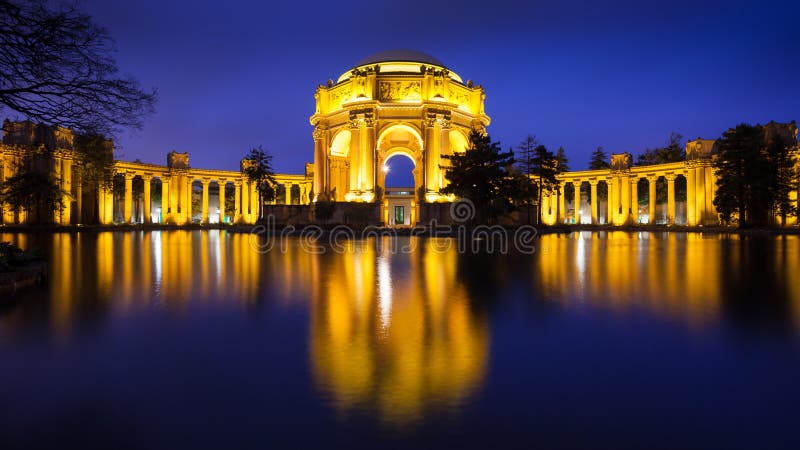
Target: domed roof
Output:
{"points": [[400, 55]]}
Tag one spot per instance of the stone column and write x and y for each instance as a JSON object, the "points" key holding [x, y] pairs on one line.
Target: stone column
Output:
{"points": [[204, 202], [354, 157], [66, 185], [245, 213], [79, 201], [625, 199], [635, 199], [127, 214], [166, 208], [369, 158], [671, 199], [609, 202], [431, 158], [576, 216], [561, 202], [147, 199], [700, 192], [237, 201], [319, 164], [288, 191], [691, 197], [613, 200], [594, 200], [187, 209], [651, 197], [221, 200], [254, 206]]}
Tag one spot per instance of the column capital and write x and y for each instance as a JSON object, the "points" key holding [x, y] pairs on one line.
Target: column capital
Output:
{"points": [[671, 177], [594, 182]]}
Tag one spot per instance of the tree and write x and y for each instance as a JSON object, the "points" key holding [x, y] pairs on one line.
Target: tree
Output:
{"points": [[599, 160], [673, 152], [525, 172], [257, 167], [34, 189], [95, 158], [755, 173], [545, 171], [562, 160], [481, 174], [56, 67]]}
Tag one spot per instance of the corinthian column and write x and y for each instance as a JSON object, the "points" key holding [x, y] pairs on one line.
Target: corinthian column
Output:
{"points": [[671, 199]]}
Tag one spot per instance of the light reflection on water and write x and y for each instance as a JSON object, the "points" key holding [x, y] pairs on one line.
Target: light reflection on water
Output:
{"points": [[406, 336]]}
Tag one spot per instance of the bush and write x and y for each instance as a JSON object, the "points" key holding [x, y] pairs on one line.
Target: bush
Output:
{"points": [[12, 257], [323, 210]]}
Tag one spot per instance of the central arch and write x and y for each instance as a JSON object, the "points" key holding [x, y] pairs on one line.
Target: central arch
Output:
{"points": [[399, 205]]}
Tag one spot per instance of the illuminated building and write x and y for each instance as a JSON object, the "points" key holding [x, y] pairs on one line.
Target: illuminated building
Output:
{"points": [[392, 103], [177, 180]]}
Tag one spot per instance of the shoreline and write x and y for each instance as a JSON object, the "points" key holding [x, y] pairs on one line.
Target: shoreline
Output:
{"points": [[403, 231]]}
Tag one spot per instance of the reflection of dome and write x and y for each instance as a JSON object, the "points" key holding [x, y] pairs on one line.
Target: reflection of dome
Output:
{"points": [[400, 55], [400, 61]]}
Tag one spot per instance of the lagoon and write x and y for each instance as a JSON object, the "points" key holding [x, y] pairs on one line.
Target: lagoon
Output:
{"points": [[164, 339]]}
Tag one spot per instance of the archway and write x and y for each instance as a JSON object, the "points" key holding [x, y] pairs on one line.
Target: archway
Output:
{"points": [[680, 200], [602, 202], [398, 184], [642, 213]]}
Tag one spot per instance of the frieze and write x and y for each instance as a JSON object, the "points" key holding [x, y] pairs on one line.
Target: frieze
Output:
{"points": [[390, 91]]}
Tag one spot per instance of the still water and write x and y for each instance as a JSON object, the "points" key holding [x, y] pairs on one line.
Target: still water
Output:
{"points": [[191, 339]]}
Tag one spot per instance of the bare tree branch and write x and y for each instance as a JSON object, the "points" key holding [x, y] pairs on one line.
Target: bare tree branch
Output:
{"points": [[56, 67]]}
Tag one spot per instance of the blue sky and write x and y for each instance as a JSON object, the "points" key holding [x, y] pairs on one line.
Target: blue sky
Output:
{"points": [[622, 75]]}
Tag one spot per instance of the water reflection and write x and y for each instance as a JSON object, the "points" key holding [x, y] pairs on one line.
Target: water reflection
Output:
{"points": [[405, 336], [395, 334]]}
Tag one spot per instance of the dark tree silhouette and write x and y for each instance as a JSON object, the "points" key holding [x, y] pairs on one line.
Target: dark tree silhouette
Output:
{"points": [[673, 152], [599, 160], [481, 174], [755, 173], [257, 167], [33, 189], [56, 67]]}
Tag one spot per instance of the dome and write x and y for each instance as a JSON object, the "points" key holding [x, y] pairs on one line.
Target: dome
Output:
{"points": [[400, 61], [400, 55]]}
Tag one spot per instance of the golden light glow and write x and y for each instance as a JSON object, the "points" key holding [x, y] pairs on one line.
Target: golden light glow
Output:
{"points": [[400, 343]]}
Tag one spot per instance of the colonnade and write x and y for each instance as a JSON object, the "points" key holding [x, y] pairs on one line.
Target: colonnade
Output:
{"points": [[176, 193], [621, 181]]}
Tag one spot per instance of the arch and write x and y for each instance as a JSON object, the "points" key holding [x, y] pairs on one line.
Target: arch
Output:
{"points": [[602, 203], [394, 151], [396, 154], [395, 127], [340, 146], [642, 213], [458, 142], [680, 199]]}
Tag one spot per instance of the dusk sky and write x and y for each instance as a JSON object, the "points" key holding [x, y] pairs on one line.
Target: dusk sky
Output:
{"points": [[235, 74]]}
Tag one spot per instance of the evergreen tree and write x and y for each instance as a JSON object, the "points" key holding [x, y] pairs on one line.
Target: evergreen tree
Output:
{"points": [[562, 160], [33, 189], [257, 167], [673, 152], [95, 155], [755, 173], [599, 160], [526, 169], [545, 171], [481, 174]]}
